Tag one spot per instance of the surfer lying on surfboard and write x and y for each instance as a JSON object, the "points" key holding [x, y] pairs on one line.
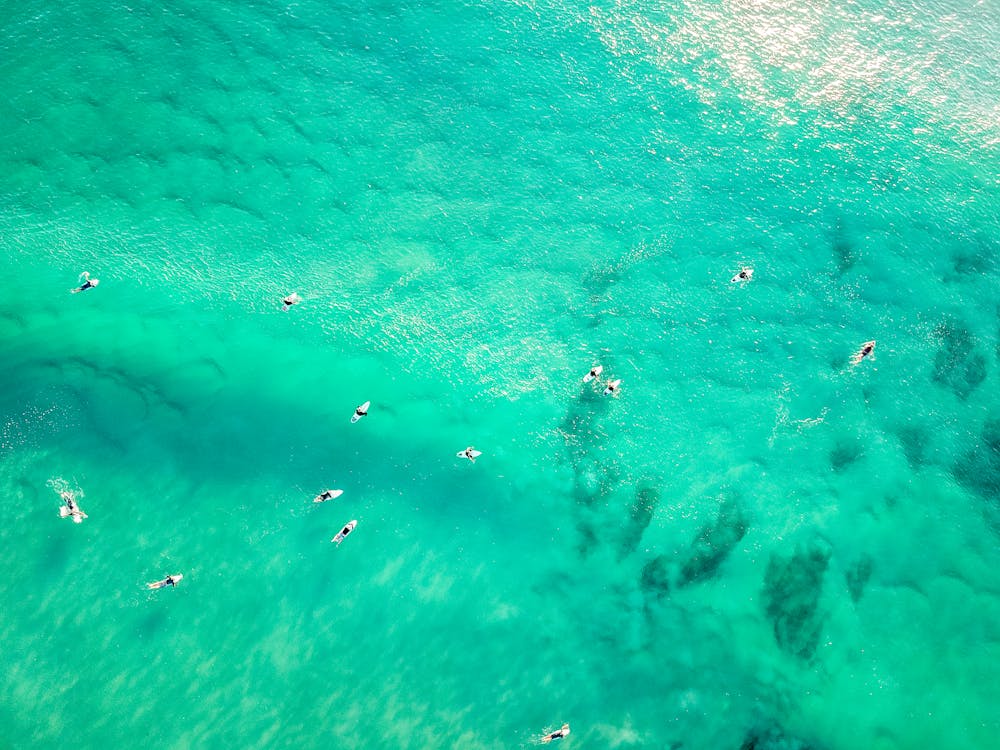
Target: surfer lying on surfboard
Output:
{"points": [[327, 495], [558, 734], [612, 387], [470, 453], [85, 283], [342, 534], [595, 372], [361, 411], [864, 351], [291, 299], [745, 274], [168, 581], [71, 508]]}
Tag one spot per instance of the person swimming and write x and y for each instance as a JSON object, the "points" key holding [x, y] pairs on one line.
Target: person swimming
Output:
{"points": [[71, 509], [864, 351], [168, 581], [291, 299], [86, 283], [558, 734], [745, 274]]}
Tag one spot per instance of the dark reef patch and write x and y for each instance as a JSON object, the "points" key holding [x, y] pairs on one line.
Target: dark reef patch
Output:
{"points": [[593, 481], [970, 262], [773, 739], [578, 425], [997, 347], [958, 364], [843, 249], [647, 498], [914, 442], [792, 589], [979, 469], [588, 537], [655, 578], [976, 256], [844, 454], [599, 279], [151, 623], [714, 543], [858, 576]]}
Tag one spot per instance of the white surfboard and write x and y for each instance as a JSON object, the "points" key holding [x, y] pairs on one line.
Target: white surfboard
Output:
{"points": [[342, 534], [744, 274], [327, 495], [361, 411], [612, 387], [866, 350], [557, 735], [470, 453], [165, 582], [78, 515], [596, 372]]}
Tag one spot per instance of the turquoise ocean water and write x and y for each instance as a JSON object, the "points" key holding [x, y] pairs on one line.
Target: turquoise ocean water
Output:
{"points": [[754, 545]]}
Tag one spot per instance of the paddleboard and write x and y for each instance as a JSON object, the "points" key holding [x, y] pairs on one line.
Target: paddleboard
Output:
{"points": [[593, 374], [612, 387], [342, 534], [361, 411], [334, 494]]}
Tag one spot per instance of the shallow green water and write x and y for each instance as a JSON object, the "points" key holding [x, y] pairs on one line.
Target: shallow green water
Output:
{"points": [[753, 543]]}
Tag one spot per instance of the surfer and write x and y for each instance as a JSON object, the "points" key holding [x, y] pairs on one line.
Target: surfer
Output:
{"points": [[745, 274], [71, 508], [595, 372], [86, 283], [168, 581], [558, 734], [327, 495], [864, 351], [291, 299], [361, 411], [470, 453], [612, 388], [342, 534]]}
